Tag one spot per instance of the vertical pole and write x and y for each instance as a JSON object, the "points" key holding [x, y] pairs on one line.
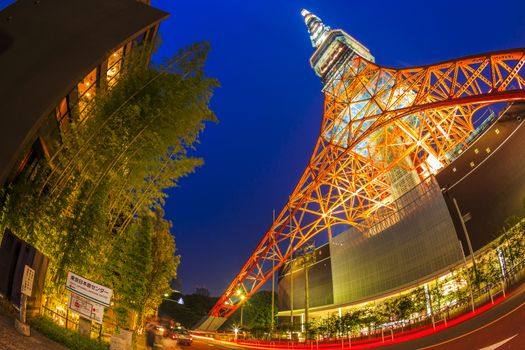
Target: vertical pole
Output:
{"points": [[242, 311], [291, 292], [23, 304], [471, 251], [291, 266], [306, 294], [273, 282], [468, 276]]}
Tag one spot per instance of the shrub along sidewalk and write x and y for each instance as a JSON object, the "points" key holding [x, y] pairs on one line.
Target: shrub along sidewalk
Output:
{"points": [[67, 337]]}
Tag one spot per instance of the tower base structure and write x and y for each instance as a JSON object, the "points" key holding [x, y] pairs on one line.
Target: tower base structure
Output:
{"points": [[383, 132], [209, 324]]}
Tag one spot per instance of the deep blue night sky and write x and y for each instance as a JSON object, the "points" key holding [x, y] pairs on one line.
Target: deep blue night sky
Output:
{"points": [[270, 102]]}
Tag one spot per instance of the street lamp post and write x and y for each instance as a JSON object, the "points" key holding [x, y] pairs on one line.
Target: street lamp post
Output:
{"points": [[309, 257], [242, 309]]}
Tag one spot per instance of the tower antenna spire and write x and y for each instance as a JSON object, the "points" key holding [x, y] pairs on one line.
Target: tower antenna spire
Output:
{"points": [[317, 29]]}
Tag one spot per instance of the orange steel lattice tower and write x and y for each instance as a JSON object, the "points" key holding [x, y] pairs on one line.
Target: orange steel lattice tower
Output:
{"points": [[383, 131]]}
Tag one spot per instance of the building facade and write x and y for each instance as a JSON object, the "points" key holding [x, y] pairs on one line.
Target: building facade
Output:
{"points": [[55, 57]]}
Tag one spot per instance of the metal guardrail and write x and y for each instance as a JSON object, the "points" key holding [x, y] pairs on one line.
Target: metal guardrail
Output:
{"points": [[70, 323]]}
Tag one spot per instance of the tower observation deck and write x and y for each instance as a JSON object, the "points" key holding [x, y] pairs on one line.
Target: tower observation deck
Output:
{"points": [[383, 131]]}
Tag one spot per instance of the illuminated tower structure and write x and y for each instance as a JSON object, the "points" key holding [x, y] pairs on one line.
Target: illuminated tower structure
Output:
{"points": [[384, 133], [335, 50]]}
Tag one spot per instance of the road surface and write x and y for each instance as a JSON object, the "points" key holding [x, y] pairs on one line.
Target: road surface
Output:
{"points": [[501, 327]]}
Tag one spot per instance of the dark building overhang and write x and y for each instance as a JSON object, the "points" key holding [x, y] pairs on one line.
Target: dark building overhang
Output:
{"points": [[46, 48]]}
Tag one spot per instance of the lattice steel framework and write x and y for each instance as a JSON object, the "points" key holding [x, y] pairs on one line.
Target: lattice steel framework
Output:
{"points": [[377, 122]]}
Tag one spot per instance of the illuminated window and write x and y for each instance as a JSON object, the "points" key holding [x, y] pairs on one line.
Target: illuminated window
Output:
{"points": [[86, 92], [487, 149], [497, 131], [472, 164], [454, 169], [62, 114], [476, 151], [114, 66]]}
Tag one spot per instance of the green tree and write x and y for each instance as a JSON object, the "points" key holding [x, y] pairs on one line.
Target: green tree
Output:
{"points": [[112, 167], [140, 267], [163, 261], [257, 312], [351, 321]]}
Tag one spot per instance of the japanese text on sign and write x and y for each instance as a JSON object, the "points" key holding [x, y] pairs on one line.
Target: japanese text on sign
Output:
{"points": [[27, 281], [88, 289]]}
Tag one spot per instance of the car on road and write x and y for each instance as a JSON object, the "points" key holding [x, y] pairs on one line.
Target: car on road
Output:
{"points": [[182, 336]]}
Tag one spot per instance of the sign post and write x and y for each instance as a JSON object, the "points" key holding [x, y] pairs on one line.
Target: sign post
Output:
{"points": [[85, 307], [26, 289], [88, 299], [88, 289]]}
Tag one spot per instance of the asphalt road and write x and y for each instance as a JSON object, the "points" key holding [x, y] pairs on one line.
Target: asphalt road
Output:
{"points": [[201, 344], [501, 327]]}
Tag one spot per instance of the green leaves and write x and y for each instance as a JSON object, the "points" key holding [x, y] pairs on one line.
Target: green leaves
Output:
{"points": [[95, 207]]}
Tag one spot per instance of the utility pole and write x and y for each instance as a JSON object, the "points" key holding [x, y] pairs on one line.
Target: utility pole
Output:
{"points": [[273, 282], [291, 265], [308, 257], [291, 291], [306, 296], [462, 219], [468, 277], [242, 309]]}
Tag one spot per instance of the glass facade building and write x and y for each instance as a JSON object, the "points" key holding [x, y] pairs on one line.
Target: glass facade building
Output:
{"points": [[422, 239]]}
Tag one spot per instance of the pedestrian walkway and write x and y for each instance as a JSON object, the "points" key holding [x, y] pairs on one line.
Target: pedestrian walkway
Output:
{"points": [[10, 339]]}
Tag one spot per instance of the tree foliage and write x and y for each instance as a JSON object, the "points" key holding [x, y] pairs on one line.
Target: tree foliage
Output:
{"points": [[105, 185], [257, 312], [140, 266]]}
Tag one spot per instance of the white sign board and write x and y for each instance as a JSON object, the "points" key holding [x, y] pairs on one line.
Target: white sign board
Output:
{"points": [[27, 281], [85, 307], [88, 289]]}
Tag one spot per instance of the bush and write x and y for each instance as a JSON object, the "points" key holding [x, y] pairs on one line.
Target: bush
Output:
{"points": [[66, 337]]}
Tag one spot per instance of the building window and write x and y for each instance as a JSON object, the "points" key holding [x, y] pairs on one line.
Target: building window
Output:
{"points": [[86, 92], [63, 115], [114, 66], [32, 157], [139, 40]]}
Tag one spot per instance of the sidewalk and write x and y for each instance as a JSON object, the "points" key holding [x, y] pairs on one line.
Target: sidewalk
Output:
{"points": [[10, 339]]}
